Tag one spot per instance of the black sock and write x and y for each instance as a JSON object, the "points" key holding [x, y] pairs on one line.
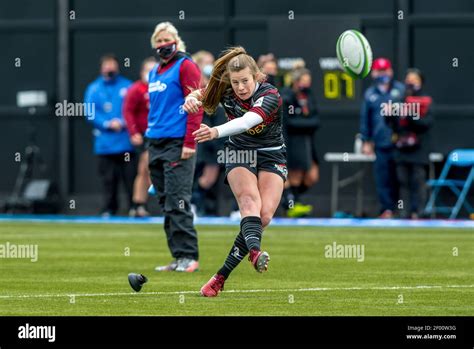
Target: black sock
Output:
{"points": [[238, 251], [251, 228], [296, 194]]}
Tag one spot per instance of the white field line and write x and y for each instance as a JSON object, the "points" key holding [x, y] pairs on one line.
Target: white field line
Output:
{"points": [[312, 289]]}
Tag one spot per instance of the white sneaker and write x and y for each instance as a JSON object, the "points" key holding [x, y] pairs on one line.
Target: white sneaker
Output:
{"points": [[187, 265], [142, 212], [170, 267]]}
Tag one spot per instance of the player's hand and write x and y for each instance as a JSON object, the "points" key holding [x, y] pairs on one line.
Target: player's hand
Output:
{"points": [[205, 133], [191, 105], [115, 125], [136, 139], [186, 153], [368, 148]]}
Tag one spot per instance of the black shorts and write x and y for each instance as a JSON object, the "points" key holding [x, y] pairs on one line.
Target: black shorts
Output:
{"points": [[254, 160]]}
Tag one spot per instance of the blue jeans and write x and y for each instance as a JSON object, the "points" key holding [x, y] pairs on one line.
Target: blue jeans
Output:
{"points": [[385, 178]]}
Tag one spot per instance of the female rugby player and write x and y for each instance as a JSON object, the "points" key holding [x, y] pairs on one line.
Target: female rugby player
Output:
{"points": [[254, 129]]}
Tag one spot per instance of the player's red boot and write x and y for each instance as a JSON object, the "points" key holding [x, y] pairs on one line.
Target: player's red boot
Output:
{"points": [[213, 286], [259, 260]]}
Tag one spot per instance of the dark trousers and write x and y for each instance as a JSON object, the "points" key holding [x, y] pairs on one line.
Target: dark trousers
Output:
{"points": [[172, 178], [114, 168], [412, 178], [385, 178]]}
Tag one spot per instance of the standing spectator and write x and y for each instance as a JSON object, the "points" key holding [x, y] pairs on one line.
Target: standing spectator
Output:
{"points": [[135, 111], [207, 168], [171, 144], [205, 61], [269, 66], [412, 144], [112, 145], [301, 122], [376, 135]]}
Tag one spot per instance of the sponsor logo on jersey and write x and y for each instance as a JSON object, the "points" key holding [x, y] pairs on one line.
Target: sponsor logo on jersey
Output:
{"points": [[258, 102], [256, 129], [282, 169], [157, 86]]}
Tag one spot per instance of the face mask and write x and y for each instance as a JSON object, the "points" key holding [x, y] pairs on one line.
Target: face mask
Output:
{"points": [[304, 89], [412, 89], [167, 51], [383, 79], [111, 74], [207, 70]]}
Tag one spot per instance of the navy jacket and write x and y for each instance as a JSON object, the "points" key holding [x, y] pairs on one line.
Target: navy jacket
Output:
{"points": [[372, 124]]}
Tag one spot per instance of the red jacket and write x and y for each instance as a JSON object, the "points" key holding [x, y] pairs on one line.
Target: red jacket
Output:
{"points": [[135, 108]]}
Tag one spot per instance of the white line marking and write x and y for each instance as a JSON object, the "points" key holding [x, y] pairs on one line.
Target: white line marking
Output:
{"points": [[312, 289]]}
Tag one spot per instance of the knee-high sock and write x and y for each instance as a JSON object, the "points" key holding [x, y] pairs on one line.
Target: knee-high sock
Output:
{"points": [[251, 228], [238, 251]]}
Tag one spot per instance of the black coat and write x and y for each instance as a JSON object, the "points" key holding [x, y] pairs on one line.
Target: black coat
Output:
{"points": [[294, 120], [299, 129]]}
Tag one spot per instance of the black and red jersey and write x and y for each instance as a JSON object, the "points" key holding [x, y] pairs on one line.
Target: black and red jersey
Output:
{"points": [[267, 103]]}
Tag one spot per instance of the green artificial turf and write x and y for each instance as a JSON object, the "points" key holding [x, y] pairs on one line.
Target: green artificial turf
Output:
{"points": [[91, 262]]}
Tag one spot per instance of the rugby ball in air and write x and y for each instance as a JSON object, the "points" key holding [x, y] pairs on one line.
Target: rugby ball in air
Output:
{"points": [[354, 53]]}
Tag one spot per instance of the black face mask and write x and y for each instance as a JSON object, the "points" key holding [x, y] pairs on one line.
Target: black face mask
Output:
{"points": [[167, 51], [383, 79], [412, 89], [304, 90], [111, 74]]}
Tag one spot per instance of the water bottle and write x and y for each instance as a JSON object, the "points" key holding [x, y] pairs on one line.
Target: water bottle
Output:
{"points": [[358, 144], [151, 190]]}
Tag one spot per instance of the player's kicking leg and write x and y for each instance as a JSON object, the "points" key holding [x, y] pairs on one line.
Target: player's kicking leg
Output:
{"points": [[270, 187]]}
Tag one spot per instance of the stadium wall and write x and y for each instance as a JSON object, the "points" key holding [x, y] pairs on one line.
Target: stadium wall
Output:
{"points": [[59, 52]]}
